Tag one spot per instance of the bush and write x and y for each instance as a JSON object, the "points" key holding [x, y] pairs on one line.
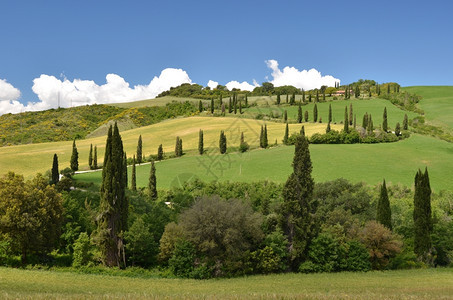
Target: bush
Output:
{"points": [[244, 147], [357, 257], [182, 261], [82, 251]]}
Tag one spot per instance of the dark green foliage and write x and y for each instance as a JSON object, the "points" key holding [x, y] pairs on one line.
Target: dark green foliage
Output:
{"points": [[263, 137], [139, 150], [303, 95], [200, 106], [351, 114], [74, 157], [230, 107], [423, 225], [398, 129], [357, 91], [83, 252], [152, 184], [330, 113], [160, 152], [317, 96], [405, 122], [287, 97], [328, 128], [296, 210], [240, 107], [384, 120], [299, 114], [178, 147], [370, 127], [182, 261], [285, 116], [246, 101], [286, 136], [355, 122], [113, 209], [222, 143], [302, 130], [235, 106], [384, 214], [141, 246], [134, 176], [125, 169], [315, 113], [200, 142], [243, 146], [306, 116], [309, 97], [365, 121], [95, 158], [346, 121], [90, 157], [212, 105], [55, 172], [278, 99]]}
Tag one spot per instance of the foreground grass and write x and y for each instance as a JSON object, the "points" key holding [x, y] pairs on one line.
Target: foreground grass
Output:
{"points": [[396, 162], [407, 284]]}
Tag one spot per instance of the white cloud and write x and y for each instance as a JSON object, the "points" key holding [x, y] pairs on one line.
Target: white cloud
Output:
{"points": [[212, 84], [245, 86], [7, 91], [304, 79]]}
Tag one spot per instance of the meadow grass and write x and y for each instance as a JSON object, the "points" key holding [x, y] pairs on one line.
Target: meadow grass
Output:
{"points": [[33, 158], [371, 163], [404, 284], [161, 101]]}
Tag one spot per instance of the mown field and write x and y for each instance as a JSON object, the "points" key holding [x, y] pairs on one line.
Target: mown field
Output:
{"points": [[370, 163], [406, 284]]}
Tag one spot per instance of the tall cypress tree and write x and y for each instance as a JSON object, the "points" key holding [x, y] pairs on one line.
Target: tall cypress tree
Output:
{"points": [[139, 150], [265, 141], [235, 106], [350, 114], [317, 96], [178, 147], [357, 91], [355, 123], [328, 129], [152, 184], [74, 157], [287, 98], [299, 114], [134, 175], [212, 105], [230, 108], [286, 136], [302, 130], [261, 136], [384, 120], [90, 157], [306, 116], [246, 101], [365, 121], [278, 99], [405, 122], [200, 142], [200, 106], [95, 158], [113, 207], [303, 95], [384, 214], [55, 172], [125, 169], [330, 113], [222, 143], [160, 152], [370, 127], [315, 113], [397, 129], [423, 224], [346, 121], [285, 116], [296, 210], [240, 107]]}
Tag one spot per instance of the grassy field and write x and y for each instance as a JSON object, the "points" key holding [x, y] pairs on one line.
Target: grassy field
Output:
{"points": [[396, 162], [33, 158], [162, 101], [407, 284]]}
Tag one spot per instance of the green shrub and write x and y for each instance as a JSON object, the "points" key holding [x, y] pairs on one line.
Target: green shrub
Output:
{"points": [[182, 261], [82, 251]]}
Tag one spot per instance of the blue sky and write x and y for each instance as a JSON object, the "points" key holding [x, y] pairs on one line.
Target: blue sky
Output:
{"points": [[409, 42]]}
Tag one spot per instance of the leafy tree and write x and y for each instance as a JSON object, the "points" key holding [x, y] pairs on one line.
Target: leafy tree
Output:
{"points": [[330, 113], [200, 142], [95, 158], [346, 121], [315, 113], [83, 253], [299, 114], [306, 116], [139, 150], [74, 157], [113, 207], [134, 175], [384, 120], [152, 184], [384, 214], [222, 143], [296, 209], [397, 129], [31, 214], [90, 157], [405, 122], [160, 152], [423, 224], [182, 261], [141, 246], [55, 172], [286, 136]]}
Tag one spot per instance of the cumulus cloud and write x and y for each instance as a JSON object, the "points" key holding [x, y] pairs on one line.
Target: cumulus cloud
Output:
{"points": [[245, 86], [212, 84], [304, 79], [8, 92]]}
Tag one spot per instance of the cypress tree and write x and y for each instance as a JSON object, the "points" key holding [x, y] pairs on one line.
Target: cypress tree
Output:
{"points": [[302, 130], [370, 125], [235, 106], [357, 91], [285, 116], [324, 95], [160, 152], [223, 109], [303, 95], [328, 128], [384, 214], [295, 215], [152, 184], [315, 113], [139, 150], [220, 101], [265, 141], [200, 106], [261, 136], [405, 122], [55, 172], [346, 121], [134, 175], [95, 158], [222, 143], [384, 120], [423, 225], [317, 96], [299, 114], [278, 99], [397, 129], [365, 121], [74, 157], [178, 147], [286, 136], [90, 157], [286, 98], [240, 107], [230, 108], [113, 207], [125, 169], [378, 90], [355, 123], [350, 114], [309, 97], [330, 113], [212, 105], [388, 88], [200, 142], [246, 101], [306, 116]]}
